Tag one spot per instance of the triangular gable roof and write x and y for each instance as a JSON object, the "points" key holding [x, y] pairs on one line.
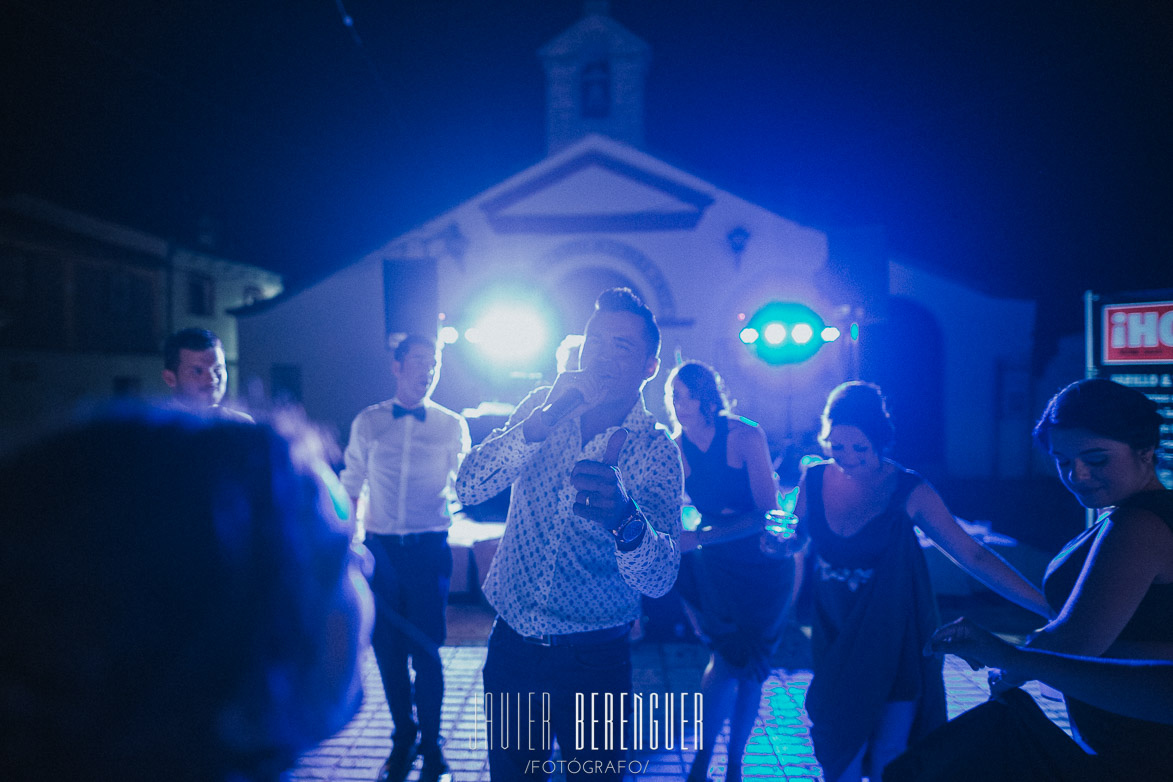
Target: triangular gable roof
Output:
{"points": [[595, 191], [538, 199]]}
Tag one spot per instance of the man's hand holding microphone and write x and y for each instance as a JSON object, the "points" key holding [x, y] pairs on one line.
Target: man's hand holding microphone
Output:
{"points": [[572, 394], [601, 495]]}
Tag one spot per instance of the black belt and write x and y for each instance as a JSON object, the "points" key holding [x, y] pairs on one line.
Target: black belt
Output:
{"points": [[585, 638], [409, 539]]}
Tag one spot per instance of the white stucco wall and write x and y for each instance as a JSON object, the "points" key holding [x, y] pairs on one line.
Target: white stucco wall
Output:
{"points": [[333, 331], [987, 431], [232, 282]]}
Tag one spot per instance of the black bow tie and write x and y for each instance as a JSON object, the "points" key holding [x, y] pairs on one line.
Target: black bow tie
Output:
{"points": [[399, 411]]}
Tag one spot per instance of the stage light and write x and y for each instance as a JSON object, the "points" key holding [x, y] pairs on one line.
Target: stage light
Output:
{"points": [[791, 332], [774, 333], [449, 335], [507, 330], [509, 333], [830, 334]]}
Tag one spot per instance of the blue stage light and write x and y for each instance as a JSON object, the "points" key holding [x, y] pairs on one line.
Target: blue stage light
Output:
{"points": [[791, 332]]}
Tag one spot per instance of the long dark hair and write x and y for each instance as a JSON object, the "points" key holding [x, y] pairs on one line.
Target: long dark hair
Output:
{"points": [[704, 384]]}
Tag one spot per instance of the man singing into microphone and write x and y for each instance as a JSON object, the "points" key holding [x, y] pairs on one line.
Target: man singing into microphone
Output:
{"points": [[594, 519]]}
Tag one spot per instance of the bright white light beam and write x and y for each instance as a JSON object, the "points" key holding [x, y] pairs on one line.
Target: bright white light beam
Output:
{"points": [[775, 333], [509, 333]]}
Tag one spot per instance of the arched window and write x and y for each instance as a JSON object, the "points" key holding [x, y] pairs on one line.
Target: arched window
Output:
{"points": [[596, 90]]}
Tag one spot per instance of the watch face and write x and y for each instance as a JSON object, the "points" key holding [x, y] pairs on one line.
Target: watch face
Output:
{"points": [[629, 530]]}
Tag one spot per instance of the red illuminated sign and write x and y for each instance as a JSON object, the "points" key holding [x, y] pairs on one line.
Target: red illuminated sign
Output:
{"points": [[1138, 333]]}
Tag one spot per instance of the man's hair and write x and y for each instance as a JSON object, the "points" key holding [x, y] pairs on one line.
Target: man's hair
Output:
{"points": [[625, 300], [187, 339], [410, 341]]}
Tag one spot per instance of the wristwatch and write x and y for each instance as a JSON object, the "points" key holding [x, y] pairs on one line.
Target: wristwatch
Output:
{"points": [[631, 529]]}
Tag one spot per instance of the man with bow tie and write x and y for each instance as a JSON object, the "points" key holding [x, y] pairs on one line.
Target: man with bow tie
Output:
{"points": [[406, 451]]}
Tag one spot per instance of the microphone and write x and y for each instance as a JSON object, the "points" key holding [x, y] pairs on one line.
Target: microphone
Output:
{"points": [[555, 411]]}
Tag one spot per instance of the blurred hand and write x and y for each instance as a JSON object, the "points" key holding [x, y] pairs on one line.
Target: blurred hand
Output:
{"points": [[980, 648], [977, 646], [1000, 682], [363, 557]]}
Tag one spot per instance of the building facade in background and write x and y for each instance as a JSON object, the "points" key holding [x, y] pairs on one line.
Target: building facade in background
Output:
{"points": [[85, 305], [600, 211]]}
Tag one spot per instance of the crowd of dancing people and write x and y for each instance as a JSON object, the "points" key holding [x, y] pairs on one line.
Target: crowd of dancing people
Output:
{"points": [[189, 591]]}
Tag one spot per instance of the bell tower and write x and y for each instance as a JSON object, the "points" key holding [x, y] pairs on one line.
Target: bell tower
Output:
{"points": [[595, 74]]}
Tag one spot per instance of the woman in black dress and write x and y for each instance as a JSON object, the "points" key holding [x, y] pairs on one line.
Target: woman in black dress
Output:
{"points": [[874, 608], [1112, 587], [736, 594]]}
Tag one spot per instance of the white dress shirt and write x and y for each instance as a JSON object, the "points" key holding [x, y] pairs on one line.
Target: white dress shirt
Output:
{"points": [[408, 464], [555, 572]]}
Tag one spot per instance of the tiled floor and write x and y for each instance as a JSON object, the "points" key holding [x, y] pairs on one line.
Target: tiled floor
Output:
{"points": [[779, 748]]}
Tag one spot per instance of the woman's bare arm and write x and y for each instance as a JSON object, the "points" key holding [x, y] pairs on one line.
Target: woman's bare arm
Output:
{"points": [[929, 513], [1134, 688]]}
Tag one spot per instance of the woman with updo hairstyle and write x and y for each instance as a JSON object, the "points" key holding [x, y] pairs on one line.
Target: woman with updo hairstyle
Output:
{"points": [[1112, 590], [735, 594], [874, 608]]}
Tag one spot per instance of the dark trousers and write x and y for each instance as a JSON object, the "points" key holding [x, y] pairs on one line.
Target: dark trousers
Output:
{"points": [[530, 701], [410, 583]]}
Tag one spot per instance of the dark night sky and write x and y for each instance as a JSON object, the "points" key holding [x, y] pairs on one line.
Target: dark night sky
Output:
{"points": [[1025, 146]]}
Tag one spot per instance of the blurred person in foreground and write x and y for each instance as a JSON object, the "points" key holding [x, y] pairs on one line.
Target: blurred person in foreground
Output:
{"points": [[737, 593], [593, 523], [1112, 588], [182, 601], [195, 370]]}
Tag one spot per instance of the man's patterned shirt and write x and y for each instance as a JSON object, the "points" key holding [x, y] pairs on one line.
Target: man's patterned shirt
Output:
{"points": [[555, 572]]}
